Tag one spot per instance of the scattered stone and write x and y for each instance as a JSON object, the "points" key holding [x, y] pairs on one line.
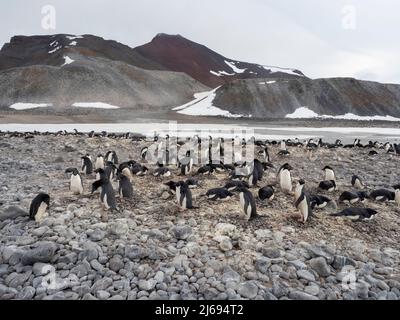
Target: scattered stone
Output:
{"points": [[320, 266], [12, 212], [181, 232], [43, 252], [248, 289]]}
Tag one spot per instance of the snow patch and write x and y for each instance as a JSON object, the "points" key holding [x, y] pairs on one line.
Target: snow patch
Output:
{"points": [[73, 44], [221, 73], [54, 43], [202, 105], [74, 37], [267, 82], [283, 70], [97, 105], [234, 68], [26, 106], [306, 113], [68, 60], [56, 49]]}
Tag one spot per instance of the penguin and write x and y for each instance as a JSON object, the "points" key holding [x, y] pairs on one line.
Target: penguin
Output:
{"points": [[87, 166], [124, 168], [125, 188], [39, 207], [99, 164], [248, 204], [143, 153], [192, 183], [353, 197], [372, 153], [356, 182], [162, 172], [299, 188], [303, 205], [285, 180], [259, 168], [110, 170], [76, 183], [139, 170], [187, 167], [283, 153], [171, 185], [320, 202], [397, 194], [356, 214], [112, 157], [283, 145], [382, 195], [329, 185], [107, 195], [253, 178], [234, 185], [266, 193], [206, 169], [329, 173], [219, 194], [184, 196]]}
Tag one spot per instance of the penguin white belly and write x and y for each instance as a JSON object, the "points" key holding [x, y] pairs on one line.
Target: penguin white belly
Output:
{"points": [[178, 194], [397, 197], [353, 217], [322, 205], [42, 212], [286, 181], [329, 175], [99, 163], [358, 184], [354, 200], [76, 185], [303, 208], [331, 189], [379, 198], [184, 202], [249, 208], [167, 174], [271, 197], [242, 201], [127, 173]]}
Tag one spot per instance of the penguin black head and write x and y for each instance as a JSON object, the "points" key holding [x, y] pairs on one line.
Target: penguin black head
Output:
{"points": [[74, 171], [396, 187], [327, 168], [287, 166], [44, 197], [333, 182], [99, 171], [301, 182]]}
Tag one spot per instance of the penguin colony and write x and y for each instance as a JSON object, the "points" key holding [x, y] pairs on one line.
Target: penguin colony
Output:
{"points": [[242, 184]]}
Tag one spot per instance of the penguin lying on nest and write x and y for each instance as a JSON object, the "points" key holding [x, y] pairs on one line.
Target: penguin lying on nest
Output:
{"points": [[356, 214]]}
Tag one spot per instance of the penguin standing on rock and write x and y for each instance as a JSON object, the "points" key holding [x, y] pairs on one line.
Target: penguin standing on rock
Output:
{"points": [[111, 156], [184, 195], [397, 194], [356, 182], [248, 204], [329, 173], [39, 206], [76, 183], [99, 163], [303, 205], [285, 179], [107, 196], [125, 188], [87, 166]]}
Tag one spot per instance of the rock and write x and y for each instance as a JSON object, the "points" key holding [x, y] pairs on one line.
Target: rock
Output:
{"points": [[97, 235], [320, 266], [279, 289], [12, 212], [102, 294], [41, 269], [147, 285], [248, 289], [136, 252], [43, 252], [40, 231], [116, 263], [165, 195], [298, 264], [119, 228], [225, 244], [59, 159], [225, 229], [340, 261], [312, 290], [272, 253], [27, 293], [304, 274], [101, 284], [319, 251], [90, 251], [299, 295], [263, 233], [230, 275], [262, 265], [181, 232], [15, 279], [89, 296]]}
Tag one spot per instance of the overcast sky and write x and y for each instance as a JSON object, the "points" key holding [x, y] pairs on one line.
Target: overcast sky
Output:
{"points": [[323, 38]]}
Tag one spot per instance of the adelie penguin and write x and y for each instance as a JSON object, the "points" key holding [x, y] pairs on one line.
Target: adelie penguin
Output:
{"points": [[76, 183], [219, 194], [329, 173], [234, 185], [266, 193], [382, 195], [99, 163], [111, 156], [284, 177], [39, 207], [139, 170], [320, 202], [328, 186], [162, 172], [248, 204], [397, 194], [87, 166], [302, 203], [356, 182], [353, 197], [356, 214], [107, 196], [184, 196], [125, 188]]}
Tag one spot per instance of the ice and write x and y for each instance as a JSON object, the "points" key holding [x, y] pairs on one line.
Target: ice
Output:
{"points": [[26, 106], [68, 60], [234, 68], [97, 105]]}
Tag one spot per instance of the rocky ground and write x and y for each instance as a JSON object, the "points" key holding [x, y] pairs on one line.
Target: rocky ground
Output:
{"points": [[152, 250]]}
